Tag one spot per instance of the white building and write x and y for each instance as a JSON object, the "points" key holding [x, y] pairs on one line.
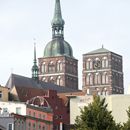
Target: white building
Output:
{"points": [[118, 104], [7, 108]]}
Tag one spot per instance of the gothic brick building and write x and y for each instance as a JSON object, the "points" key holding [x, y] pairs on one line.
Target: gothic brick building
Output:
{"points": [[58, 65], [102, 72]]}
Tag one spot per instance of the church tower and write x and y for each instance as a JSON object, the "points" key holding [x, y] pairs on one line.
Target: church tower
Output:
{"points": [[102, 72], [58, 65]]}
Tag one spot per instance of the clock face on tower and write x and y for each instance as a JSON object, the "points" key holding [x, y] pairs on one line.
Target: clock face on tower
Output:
{"points": [[97, 64]]}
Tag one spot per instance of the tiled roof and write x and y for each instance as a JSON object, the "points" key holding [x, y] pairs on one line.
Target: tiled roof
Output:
{"points": [[20, 81], [100, 50]]}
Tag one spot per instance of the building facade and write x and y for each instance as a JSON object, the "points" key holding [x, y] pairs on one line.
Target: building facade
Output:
{"points": [[60, 107], [117, 103], [102, 72], [7, 123], [39, 118], [24, 116], [58, 65], [6, 108]]}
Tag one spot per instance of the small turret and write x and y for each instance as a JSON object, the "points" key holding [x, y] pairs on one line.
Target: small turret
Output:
{"points": [[35, 67]]}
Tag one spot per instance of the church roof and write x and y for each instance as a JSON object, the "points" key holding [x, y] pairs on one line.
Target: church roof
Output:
{"points": [[100, 50], [20, 81], [58, 47]]}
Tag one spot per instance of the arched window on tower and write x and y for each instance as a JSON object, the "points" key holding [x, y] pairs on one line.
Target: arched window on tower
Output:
{"points": [[44, 79], [59, 66], [97, 78], [51, 80], [44, 67], [104, 91], [104, 62], [89, 79], [59, 81], [51, 67], [105, 78], [89, 64]]}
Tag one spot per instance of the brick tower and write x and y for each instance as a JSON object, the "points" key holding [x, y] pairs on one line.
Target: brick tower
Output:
{"points": [[58, 65], [102, 72]]}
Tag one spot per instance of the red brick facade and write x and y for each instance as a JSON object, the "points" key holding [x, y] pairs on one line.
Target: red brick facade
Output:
{"points": [[102, 73], [59, 106], [60, 70], [39, 118]]}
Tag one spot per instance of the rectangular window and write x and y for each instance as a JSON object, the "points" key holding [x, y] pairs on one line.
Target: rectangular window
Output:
{"points": [[18, 110], [5, 109], [0, 94], [40, 116], [10, 126], [29, 113]]}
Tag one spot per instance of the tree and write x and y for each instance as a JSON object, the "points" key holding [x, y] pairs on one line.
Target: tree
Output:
{"points": [[95, 116], [127, 124]]}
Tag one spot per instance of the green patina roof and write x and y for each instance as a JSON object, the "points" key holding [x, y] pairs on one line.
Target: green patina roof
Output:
{"points": [[57, 19], [100, 50], [58, 47]]}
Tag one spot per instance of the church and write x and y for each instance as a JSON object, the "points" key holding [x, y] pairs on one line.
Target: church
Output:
{"points": [[102, 71], [55, 75]]}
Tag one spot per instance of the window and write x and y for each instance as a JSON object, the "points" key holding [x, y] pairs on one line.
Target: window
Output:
{"points": [[34, 126], [0, 94], [29, 113], [29, 126], [104, 62], [18, 110], [105, 79], [60, 117], [89, 64], [5, 109], [43, 128], [39, 127], [44, 79], [59, 81], [88, 91], [59, 66], [51, 67], [44, 116], [44, 68], [97, 78], [40, 116], [33, 114], [89, 79], [51, 80], [10, 126]]}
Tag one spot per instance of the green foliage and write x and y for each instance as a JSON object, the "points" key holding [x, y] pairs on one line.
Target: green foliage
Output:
{"points": [[127, 124], [95, 116]]}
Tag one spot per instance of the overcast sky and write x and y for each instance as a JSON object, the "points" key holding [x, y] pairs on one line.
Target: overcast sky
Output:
{"points": [[88, 25]]}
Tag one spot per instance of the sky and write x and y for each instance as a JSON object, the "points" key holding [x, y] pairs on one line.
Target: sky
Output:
{"points": [[89, 24]]}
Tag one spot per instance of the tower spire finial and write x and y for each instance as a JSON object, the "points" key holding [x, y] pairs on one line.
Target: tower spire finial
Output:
{"points": [[35, 67], [57, 21]]}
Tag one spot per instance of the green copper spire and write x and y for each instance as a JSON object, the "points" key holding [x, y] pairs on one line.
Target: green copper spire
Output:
{"points": [[57, 21], [35, 67]]}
